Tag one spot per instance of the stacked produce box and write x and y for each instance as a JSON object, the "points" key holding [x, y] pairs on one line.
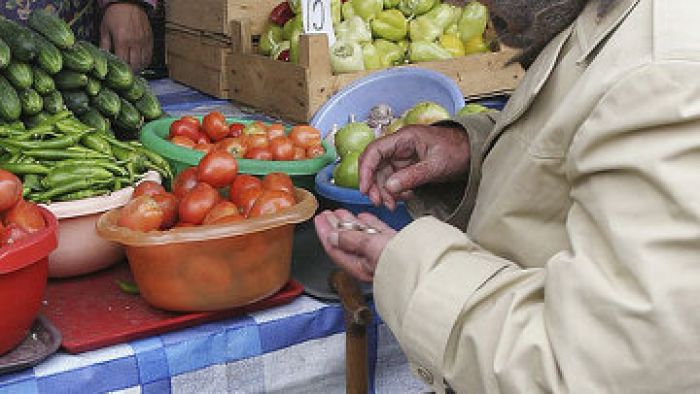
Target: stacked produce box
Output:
{"points": [[68, 111]]}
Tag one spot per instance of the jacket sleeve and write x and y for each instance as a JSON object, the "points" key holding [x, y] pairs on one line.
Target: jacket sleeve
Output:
{"points": [[454, 202], [617, 311]]}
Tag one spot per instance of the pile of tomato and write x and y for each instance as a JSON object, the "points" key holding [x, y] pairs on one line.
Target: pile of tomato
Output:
{"points": [[197, 198], [20, 218], [255, 140]]}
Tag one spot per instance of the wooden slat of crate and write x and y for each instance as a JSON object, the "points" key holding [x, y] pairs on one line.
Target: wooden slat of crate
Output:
{"points": [[215, 15]]}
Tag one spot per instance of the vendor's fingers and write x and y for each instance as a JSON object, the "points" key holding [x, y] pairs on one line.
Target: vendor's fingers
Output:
{"points": [[357, 266], [105, 39], [374, 195], [412, 177], [135, 58], [374, 222], [381, 176], [375, 153]]}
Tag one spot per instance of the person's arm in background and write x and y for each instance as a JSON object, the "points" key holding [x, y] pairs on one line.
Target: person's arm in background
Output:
{"points": [[126, 31], [615, 312]]}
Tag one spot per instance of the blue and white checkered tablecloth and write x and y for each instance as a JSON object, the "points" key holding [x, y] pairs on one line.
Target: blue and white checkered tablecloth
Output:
{"points": [[294, 348]]}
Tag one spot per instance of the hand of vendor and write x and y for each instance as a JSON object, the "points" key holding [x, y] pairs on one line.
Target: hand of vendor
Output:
{"points": [[353, 242], [392, 166], [126, 31]]}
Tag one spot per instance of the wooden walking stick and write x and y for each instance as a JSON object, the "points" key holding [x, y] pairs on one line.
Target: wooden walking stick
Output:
{"points": [[357, 317]]}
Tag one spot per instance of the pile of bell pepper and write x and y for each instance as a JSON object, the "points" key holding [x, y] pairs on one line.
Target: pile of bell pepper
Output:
{"points": [[375, 34]]}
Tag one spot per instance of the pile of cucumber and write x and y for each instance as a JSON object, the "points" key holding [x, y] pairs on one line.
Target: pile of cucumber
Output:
{"points": [[43, 69]]}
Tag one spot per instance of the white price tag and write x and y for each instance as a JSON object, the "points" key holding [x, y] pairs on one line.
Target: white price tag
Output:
{"points": [[316, 18]]}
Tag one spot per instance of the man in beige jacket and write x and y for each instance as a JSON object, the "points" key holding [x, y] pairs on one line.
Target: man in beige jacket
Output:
{"points": [[574, 260]]}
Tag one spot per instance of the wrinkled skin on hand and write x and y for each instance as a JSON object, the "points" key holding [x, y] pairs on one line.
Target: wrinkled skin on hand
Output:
{"points": [[126, 31], [392, 166], [355, 251]]}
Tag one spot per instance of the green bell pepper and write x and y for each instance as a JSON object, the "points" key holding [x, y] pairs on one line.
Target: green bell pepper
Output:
{"points": [[291, 25], [367, 9], [390, 24], [370, 56], [473, 21], [270, 38], [335, 11], [475, 45], [388, 4], [423, 51], [444, 15], [354, 29], [453, 45], [346, 10], [346, 57], [452, 29], [390, 53], [416, 7], [423, 29], [295, 5]]}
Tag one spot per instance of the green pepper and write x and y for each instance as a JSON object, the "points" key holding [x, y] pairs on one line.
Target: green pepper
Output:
{"points": [[346, 57], [25, 168], [269, 39], [31, 183], [67, 173], [290, 26], [367, 9], [444, 15], [161, 165], [346, 10], [424, 29], [370, 57], [390, 24], [69, 187], [97, 143], [473, 21], [388, 4], [416, 7], [106, 164], [295, 5], [475, 45], [54, 143], [353, 29], [390, 53], [335, 12], [423, 51], [453, 44], [452, 29], [60, 154]]}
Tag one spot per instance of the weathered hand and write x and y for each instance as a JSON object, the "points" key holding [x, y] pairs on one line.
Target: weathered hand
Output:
{"points": [[126, 31], [355, 251], [391, 167]]}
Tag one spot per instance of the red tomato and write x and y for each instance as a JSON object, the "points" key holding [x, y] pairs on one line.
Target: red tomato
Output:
{"points": [[282, 148], [256, 127], [242, 183], [202, 138], [182, 128], [11, 234], [228, 219], [315, 151], [168, 204], [278, 181], [222, 209], [214, 125], [195, 205], [191, 120], [26, 215], [184, 224], [299, 153], [271, 201], [182, 141], [235, 129], [141, 214], [185, 181], [258, 154], [256, 141], [234, 146], [305, 136], [147, 188], [275, 130], [10, 190], [204, 147], [217, 168], [247, 199]]}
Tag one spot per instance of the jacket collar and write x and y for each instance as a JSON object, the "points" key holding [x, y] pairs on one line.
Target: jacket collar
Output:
{"points": [[592, 30]]}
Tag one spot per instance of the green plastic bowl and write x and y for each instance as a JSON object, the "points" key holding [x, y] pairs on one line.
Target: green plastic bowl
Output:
{"points": [[154, 137]]}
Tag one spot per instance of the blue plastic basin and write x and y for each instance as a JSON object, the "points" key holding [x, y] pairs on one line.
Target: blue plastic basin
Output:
{"points": [[400, 87], [356, 202]]}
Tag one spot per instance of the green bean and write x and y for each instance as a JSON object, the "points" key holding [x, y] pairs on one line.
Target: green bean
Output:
{"points": [[68, 173], [60, 154], [74, 186], [25, 168]]}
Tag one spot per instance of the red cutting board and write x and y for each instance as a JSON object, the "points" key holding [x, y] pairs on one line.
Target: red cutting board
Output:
{"points": [[93, 312]]}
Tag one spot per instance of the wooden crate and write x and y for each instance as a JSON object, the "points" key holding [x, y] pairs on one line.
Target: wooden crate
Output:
{"points": [[199, 59], [214, 16], [296, 91]]}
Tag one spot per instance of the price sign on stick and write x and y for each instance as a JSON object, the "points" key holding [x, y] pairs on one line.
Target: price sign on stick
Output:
{"points": [[316, 18]]}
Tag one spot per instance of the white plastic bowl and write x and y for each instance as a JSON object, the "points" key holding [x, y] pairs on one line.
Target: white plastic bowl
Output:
{"points": [[80, 250]]}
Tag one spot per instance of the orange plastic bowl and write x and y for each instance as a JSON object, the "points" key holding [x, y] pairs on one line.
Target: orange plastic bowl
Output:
{"points": [[23, 275], [213, 267]]}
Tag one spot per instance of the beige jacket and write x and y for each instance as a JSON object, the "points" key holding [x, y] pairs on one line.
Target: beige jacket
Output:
{"points": [[580, 268]]}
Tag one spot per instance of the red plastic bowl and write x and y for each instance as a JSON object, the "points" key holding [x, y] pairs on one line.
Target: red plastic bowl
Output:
{"points": [[23, 275]]}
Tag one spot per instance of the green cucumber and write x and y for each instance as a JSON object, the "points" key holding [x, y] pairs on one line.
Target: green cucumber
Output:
{"points": [[99, 57], [119, 76], [94, 118], [52, 27], [19, 74], [19, 39], [43, 83], [107, 102], [149, 106], [4, 54], [31, 101], [70, 80], [11, 108], [78, 58], [76, 101], [93, 87], [48, 57], [34, 120], [136, 91], [53, 102], [129, 119]]}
